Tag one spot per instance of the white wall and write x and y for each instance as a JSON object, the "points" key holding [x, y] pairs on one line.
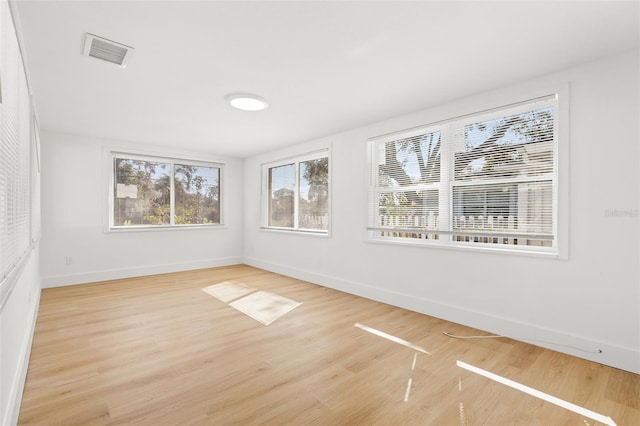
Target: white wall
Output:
{"points": [[74, 211], [590, 301], [17, 322]]}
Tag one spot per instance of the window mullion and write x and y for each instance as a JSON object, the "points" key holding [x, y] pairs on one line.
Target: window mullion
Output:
{"points": [[450, 136], [296, 196], [172, 195]]}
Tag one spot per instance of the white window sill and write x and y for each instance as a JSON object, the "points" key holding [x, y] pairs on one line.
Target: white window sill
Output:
{"points": [[548, 254], [134, 228], [296, 231]]}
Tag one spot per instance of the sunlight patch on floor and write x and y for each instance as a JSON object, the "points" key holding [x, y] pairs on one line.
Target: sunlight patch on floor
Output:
{"points": [[392, 338], [538, 394], [264, 307], [228, 291]]}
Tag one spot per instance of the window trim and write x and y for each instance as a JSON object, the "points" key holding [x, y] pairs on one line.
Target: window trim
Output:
{"points": [[265, 193], [110, 153], [510, 104]]}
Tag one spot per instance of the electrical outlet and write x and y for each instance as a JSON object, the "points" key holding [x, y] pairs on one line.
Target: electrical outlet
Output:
{"points": [[68, 260]]}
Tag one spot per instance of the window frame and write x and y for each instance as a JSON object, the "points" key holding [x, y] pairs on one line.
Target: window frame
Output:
{"points": [[112, 154], [452, 132], [296, 160]]}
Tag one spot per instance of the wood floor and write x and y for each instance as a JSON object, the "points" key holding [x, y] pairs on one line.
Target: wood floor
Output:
{"points": [[159, 351]]}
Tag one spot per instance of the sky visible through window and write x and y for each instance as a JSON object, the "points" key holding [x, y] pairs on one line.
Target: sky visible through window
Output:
{"points": [[283, 177], [209, 176], [475, 135], [478, 133]]}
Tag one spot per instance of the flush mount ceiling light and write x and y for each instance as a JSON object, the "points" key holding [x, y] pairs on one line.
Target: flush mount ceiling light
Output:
{"points": [[246, 102]]}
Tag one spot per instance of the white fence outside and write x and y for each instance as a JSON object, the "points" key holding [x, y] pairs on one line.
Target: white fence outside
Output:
{"points": [[466, 229], [313, 221]]}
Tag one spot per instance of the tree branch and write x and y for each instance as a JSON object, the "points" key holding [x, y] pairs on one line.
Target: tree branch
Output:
{"points": [[464, 158]]}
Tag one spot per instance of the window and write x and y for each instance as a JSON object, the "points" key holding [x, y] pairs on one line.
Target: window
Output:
{"points": [[161, 192], [18, 177], [297, 193], [487, 180]]}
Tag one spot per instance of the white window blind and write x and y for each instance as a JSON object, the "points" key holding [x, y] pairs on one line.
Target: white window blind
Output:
{"points": [[484, 180], [408, 182], [503, 180], [15, 148], [35, 181]]}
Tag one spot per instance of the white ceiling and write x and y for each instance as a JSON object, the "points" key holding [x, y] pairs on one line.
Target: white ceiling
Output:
{"points": [[324, 66]]}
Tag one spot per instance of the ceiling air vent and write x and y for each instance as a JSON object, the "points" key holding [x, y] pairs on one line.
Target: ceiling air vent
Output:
{"points": [[107, 50]]}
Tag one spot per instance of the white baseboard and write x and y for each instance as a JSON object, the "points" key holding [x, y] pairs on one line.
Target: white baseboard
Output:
{"points": [[115, 274], [612, 355], [20, 377]]}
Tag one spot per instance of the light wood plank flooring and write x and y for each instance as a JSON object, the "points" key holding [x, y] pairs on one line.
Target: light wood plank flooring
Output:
{"points": [[159, 351]]}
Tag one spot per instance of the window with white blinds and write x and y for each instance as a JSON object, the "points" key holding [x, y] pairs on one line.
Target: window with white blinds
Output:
{"points": [[484, 180], [16, 137]]}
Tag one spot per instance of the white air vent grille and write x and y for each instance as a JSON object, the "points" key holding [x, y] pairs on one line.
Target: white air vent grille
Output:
{"points": [[107, 50]]}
